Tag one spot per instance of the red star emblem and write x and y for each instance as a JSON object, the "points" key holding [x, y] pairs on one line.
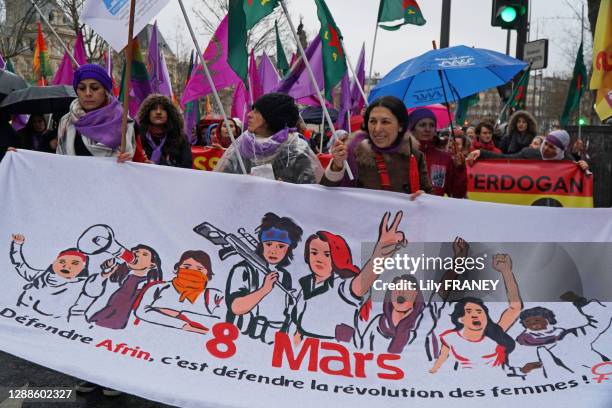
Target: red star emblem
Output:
{"points": [[335, 39], [579, 82], [408, 3]]}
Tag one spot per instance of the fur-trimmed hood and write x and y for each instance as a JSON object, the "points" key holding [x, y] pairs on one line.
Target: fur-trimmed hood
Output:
{"points": [[366, 156], [532, 125]]}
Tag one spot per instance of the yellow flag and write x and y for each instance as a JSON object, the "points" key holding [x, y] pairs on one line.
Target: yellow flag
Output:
{"points": [[602, 61]]}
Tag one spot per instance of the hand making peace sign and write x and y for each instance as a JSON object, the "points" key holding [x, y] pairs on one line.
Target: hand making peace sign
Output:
{"points": [[390, 239]]}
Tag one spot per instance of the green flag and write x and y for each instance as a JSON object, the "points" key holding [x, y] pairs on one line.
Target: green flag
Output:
{"points": [[242, 16], [463, 106], [281, 59], [9, 66], [576, 89], [519, 95], [237, 56], [334, 59], [392, 10], [257, 10]]}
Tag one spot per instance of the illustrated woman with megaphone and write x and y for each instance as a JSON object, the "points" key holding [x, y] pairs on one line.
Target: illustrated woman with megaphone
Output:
{"points": [[108, 297]]}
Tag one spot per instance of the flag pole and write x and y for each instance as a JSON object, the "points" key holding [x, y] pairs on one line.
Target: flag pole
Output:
{"points": [[109, 70], [373, 50], [42, 15], [212, 86], [579, 99], [312, 79], [350, 65], [498, 121], [128, 75], [348, 118]]}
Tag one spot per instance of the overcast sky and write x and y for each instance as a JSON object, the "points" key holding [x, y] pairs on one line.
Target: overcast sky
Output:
{"points": [[470, 25]]}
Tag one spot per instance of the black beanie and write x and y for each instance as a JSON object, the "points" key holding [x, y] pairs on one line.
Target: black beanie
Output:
{"points": [[279, 110]]}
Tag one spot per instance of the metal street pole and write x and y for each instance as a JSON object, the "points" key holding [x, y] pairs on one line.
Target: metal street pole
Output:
{"points": [[445, 26]]}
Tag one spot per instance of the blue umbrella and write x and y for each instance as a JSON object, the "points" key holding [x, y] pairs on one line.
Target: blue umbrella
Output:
{"points": [[447, 75]]}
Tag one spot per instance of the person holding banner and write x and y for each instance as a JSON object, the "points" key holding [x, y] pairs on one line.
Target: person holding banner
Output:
{"points": [[92, 127], [383, 156], [271, 147], [161, 129], [554, 148], [522, 128]]}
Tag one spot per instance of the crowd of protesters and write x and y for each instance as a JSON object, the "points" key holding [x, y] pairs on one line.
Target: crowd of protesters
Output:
{"points": [[393, 151]]}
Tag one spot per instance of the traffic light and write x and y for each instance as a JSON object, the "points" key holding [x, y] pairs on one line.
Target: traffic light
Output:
{"points": [[508, 14], [582, 121]]}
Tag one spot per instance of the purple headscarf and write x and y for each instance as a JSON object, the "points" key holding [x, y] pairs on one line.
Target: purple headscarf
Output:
{"points": [[249, 148], [103, 125], [399, 334]]}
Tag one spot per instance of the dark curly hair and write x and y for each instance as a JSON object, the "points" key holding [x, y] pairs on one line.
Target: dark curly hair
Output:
{"points": [[174, 126], [547, 314]]}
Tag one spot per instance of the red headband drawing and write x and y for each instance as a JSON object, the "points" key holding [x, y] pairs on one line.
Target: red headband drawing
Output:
{"points": [[340, 253], [74, 253]]}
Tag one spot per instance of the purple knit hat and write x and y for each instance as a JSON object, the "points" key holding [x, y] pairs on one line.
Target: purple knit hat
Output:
{"points": [[418, 114], [92, 71]]}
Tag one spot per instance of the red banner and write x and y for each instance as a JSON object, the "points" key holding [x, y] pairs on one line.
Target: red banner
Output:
{"points": [[530, 182], [206, 158]]}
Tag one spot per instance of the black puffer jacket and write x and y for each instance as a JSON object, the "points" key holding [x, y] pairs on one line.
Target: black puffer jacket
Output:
{"points": [[515, 141]]}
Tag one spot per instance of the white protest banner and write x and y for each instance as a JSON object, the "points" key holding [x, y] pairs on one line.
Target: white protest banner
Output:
{"points": [[204, 289], [110, 18]]}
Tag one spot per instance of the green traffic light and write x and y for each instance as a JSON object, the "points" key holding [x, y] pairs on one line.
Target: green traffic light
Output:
{"points": [[582, 121], [508, 14]]}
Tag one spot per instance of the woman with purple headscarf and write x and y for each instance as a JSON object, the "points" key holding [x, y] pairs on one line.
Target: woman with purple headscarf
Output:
{"points": [[396, 326], [92, 127]]}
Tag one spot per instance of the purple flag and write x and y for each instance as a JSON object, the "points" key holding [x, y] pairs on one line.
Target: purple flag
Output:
{"points": [[78, 52], [20, 121], [239, 103], [65, 71], [297, 82], [357, 102], [156, 64], [216, 57], [312, 100], [192, 110], [268, 74], [254, 80], [2, 63], [345, 104]]}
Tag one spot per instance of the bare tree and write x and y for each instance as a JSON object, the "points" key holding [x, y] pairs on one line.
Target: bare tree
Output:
{"points": [[94, 44], [14, 27]]}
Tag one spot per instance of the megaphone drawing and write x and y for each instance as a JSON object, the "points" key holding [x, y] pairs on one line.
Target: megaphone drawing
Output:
{"points": [[101, 238]]}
